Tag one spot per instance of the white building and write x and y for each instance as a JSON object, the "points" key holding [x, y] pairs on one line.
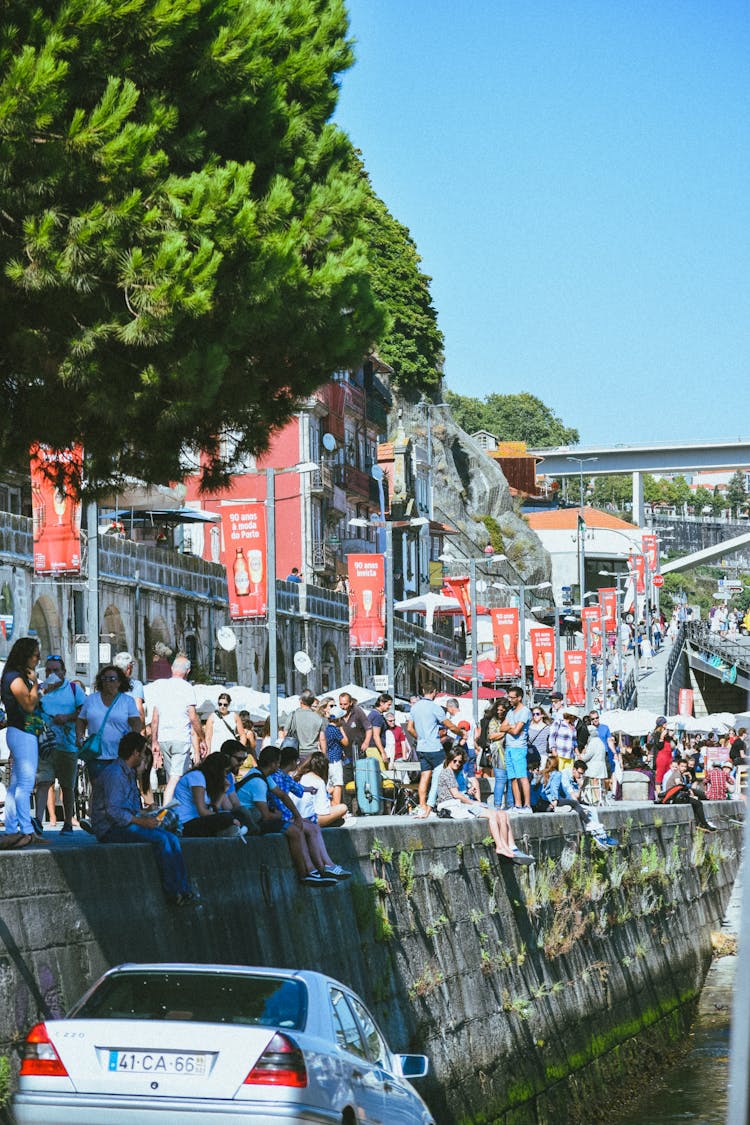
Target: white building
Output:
{"points": [[607, 542]]}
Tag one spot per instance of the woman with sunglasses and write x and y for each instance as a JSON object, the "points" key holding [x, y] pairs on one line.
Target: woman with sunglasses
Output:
{"points": [[458, 797], [111, 710], [223, 725], [539, 729]]}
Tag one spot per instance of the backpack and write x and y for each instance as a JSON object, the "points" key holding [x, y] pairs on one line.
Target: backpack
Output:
{"points": [[582, 733]]}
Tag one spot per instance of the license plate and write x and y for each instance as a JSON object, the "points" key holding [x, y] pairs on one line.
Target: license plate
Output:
{"points": [[157, 1062]]}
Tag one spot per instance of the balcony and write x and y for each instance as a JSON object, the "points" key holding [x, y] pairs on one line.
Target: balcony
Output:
{"points": [[356, 482], [377, 413], [337, 502], [358, 547], [323, 557], [321, 481]]}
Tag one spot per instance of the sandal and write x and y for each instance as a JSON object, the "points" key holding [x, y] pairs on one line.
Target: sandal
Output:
{"points": [[9, 840], [24, 841]]}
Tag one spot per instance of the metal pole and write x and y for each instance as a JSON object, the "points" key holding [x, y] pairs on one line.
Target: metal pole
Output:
{"points": [[739, 1048], [273, 672], [603, 635], [587, 655], [390, 631], [558, 671], [474, 641], [636, 666], [646, 583], [618, 615], [92, 526], [582, 557], [522, 635]]}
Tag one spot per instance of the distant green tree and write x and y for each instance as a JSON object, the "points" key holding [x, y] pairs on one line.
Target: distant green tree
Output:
{"points": [[616, 489], [513, 417], [182, 242], [736, 494]]}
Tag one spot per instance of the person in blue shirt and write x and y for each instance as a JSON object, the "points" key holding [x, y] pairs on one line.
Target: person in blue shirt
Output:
{"points": [[516, 730], [426, 719], [562, 789]]}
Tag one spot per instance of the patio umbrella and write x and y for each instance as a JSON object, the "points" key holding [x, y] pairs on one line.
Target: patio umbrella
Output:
{"points": [[636, 722], [486, 669], [430, 604]]}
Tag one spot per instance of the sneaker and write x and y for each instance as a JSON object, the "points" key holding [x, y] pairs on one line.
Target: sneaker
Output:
{"points": [[604, 843], [522, 858], [66, 829], [315, 879], [86, 826], [233, 831], [337, 872], [37, 826]]}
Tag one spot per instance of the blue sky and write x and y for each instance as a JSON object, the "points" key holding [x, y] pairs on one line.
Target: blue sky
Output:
{"points": [[576, 177]]}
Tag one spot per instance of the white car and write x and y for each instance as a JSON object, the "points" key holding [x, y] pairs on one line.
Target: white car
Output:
{"points": [[163, 1043]]}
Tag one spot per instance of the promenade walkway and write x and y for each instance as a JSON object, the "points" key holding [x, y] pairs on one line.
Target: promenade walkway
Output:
{"points": [[651, 684]]}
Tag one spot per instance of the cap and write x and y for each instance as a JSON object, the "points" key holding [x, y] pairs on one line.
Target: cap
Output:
{"points": [[661, 721], [337, 712], [557, 696], [463, 725]]}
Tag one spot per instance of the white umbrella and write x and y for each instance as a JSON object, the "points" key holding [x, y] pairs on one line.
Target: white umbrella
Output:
{"points": [[429, 605], [358, 694], [636, 722]]}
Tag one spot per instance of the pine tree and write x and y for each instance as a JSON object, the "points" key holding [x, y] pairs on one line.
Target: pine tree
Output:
{"points": [[182, 244]]}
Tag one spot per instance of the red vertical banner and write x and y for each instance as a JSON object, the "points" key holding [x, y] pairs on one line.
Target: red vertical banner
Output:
{"points": [[505, 636], [543, 656], [575, 676], [366, 601], [651, 551], [244, 553], [458, 588], [56, 509], [636, 565], [685, 701], [591, 620], [608, 603]]}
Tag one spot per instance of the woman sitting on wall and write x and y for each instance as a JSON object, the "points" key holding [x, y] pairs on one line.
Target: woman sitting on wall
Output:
{"points": [[453, 798]]}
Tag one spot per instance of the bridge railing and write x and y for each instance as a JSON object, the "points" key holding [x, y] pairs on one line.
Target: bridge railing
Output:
{"points": [[700, 636]]}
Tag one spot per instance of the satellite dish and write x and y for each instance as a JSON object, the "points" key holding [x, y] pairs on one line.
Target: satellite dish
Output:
{"points": [[376, 472], [329, 442], [303, 663], [227, 638]]}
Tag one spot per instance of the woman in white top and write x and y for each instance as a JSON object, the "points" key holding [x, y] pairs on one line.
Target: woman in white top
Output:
{"points": [[316, 777], [223, 725], [111, 710], [595, 756]]}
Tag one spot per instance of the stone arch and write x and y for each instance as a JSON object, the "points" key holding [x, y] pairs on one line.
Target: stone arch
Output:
{"points": [[113, 630], [44, 623], [330, 671]]}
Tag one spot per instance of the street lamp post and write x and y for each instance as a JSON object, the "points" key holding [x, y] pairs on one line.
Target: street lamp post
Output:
{"points": [[581, 461], [473, 624], [271, 616]]}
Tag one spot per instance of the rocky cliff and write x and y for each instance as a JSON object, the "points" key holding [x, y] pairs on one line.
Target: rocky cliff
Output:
{"points": [[470, 492]]}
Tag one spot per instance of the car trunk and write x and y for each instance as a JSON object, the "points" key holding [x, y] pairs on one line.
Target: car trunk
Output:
{"points": [[172, 1058]]}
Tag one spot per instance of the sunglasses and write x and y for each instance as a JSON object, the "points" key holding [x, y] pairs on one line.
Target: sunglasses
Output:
{"points": [[536, 713], [223, 703], [54, 656]]}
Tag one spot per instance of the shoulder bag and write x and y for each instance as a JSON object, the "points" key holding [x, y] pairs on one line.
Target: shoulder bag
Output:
{"points": [[290, 738]]}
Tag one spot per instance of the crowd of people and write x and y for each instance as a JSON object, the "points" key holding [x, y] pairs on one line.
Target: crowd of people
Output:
{"points": [[159, 773]]}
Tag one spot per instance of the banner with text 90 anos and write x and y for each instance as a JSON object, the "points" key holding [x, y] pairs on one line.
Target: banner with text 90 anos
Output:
{"points": [[543, 656], [244, 554], [505, 637], [575, 677], [56, 509], [366, 575]]}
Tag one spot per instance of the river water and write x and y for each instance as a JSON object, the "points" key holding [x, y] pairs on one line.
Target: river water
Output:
{"points": [[695, 1089]]}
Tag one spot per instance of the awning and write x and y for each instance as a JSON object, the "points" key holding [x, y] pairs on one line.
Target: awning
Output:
{"points": [[161, 515]]}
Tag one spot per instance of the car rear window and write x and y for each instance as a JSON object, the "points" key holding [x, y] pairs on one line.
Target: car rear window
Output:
{"points": [[198, 998]]}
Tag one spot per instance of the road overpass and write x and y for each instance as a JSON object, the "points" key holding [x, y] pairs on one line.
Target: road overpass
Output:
{"points": [[655, 457]]}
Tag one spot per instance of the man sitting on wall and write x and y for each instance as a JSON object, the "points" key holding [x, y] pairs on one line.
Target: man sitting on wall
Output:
{"points": [[117, 817]]}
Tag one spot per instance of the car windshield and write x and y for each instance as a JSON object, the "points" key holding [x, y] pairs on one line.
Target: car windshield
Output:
{"points": [[246, 1000]]}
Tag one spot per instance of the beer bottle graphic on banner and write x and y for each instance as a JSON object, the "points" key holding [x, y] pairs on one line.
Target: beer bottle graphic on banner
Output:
{"points": [[241, 574]]}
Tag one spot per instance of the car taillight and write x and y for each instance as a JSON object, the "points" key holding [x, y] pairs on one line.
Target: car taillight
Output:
{"points": [[281, 1064], [39, 1055]]}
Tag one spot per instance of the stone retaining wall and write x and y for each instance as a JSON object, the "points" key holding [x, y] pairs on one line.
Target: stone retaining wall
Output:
{"points": [[536, 993]]}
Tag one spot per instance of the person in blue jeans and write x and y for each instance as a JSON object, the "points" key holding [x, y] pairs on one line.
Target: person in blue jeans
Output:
{"points": [[503, 796], [118, 817]]}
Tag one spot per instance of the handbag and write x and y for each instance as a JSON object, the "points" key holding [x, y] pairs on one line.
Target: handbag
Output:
{"points": [[290, 739], [45, 735], [90, 749]]}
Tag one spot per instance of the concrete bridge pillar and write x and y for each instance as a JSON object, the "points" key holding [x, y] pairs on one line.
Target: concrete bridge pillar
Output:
{"points": [[639, 512]]}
